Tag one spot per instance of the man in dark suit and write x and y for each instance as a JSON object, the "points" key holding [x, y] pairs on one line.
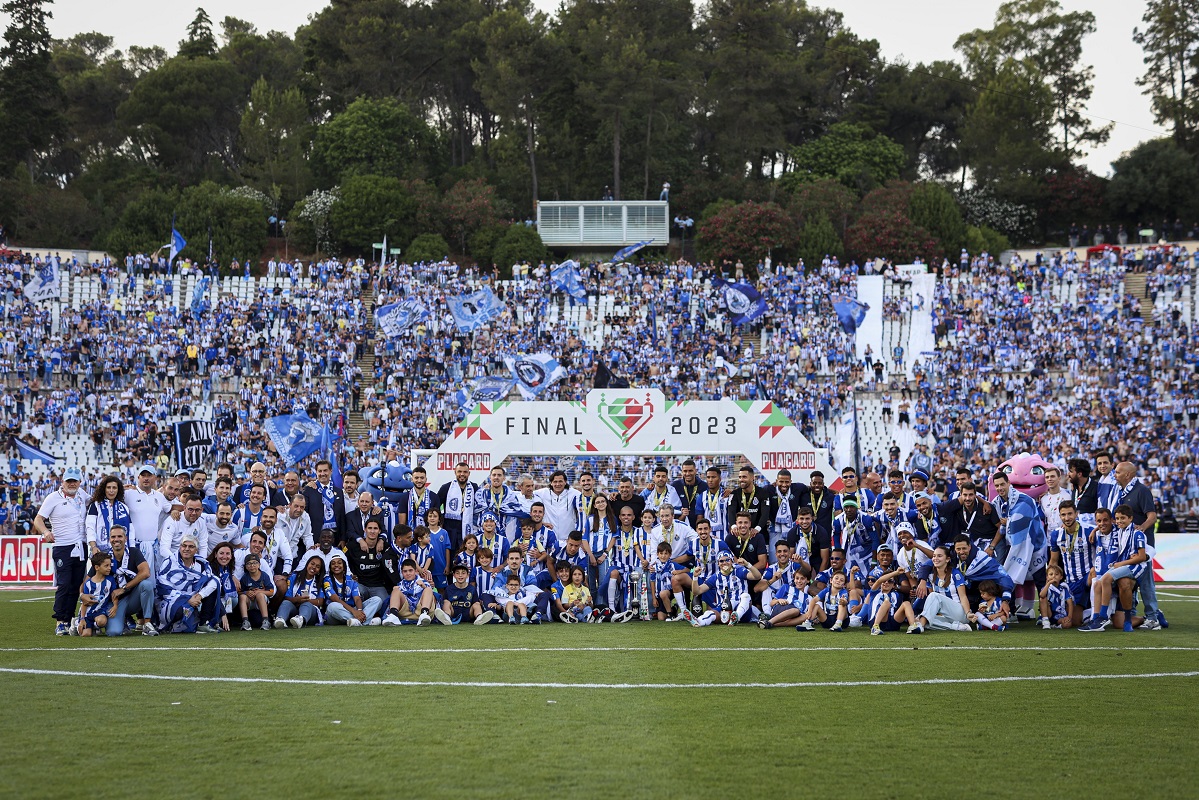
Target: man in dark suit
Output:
{"points": [[325, 501], [353, 523], [782, 508], [752, 500], [969, 514]]}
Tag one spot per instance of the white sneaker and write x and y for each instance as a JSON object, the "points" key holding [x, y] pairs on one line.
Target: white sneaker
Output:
{"points": [[391, 620], [296, 622], [623, 616], [148, 629], [1150, 624], [485, 617], [442, 617], [855, 622], [353, 623], [375, 621], [806, 625], [280, 623], [424, 619], [963, 627], [567, 617], [73, 630]]}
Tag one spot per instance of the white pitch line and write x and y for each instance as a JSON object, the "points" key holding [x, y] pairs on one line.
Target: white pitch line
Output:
{"points": [[426, 650], [32, 599], [534, 685]]}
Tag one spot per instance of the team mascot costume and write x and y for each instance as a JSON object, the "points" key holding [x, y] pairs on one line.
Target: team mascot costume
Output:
{"points": [[1028, 552]]}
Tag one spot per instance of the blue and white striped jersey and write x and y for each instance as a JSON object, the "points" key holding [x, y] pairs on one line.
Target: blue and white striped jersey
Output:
{"points": [[628, 549], [729, 588], [705, 557], [1077, 552], [1126, 543], [101, 590], [1058, 598], [798, 600]]}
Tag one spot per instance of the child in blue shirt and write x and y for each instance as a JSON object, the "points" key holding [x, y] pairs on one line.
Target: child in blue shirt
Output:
{"points": [[96, 596], [792, 605], [992, 614], [888, 608], [834, 603], [1057, 600]]}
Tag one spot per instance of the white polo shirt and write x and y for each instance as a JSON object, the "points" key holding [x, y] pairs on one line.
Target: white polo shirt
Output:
{"points": [[66, 516], [146, 512]]}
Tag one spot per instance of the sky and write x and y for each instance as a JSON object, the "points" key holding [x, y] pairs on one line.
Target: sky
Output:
{"points": [[912, 30]]}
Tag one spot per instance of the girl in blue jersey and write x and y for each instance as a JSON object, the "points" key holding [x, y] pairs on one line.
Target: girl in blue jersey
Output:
{"points": [[1057, 600], [888, 608], [342, 593], [305, 597], [834, 603], [469, 553], [992, 612], [792, 605]]}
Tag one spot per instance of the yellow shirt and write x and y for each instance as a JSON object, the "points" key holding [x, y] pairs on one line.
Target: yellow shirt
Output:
{"points": [[574, 594]]}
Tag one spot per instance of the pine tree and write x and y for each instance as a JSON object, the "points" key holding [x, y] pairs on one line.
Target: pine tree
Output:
{"points": [[200, 42], [31, 98]]}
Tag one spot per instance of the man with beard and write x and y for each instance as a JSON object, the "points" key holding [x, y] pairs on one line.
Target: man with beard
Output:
{"points": [[456, 501], [325, 501], [782, 507], [1084, 489], [627, 496], [969, 514], [687, 488]]}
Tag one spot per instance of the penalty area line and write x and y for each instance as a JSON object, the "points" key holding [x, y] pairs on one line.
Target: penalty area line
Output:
{"points": [[584, 685]]}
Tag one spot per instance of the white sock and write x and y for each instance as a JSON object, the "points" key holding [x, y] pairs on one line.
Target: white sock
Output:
{"points": [[682, 601], [983, 622], [612, 592], [705, 619]]}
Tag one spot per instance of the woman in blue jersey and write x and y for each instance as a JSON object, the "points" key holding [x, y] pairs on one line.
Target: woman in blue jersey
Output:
{"points": [[106, 509], [943, 589], [221, 562], [305, 599], [598, 528]]}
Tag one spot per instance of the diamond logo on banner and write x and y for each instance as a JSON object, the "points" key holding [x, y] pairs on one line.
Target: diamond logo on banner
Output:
{"points": [[625, 416]]}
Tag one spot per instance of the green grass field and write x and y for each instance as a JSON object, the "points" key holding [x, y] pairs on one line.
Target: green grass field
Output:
{"points": [[609, 710]]}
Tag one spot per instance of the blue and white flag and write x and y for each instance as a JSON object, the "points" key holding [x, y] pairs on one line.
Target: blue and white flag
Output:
{"points": [[850, 312], [1025, 535], [28, 452], [296, 436], [44, 285], [745, 303], [565, 278], [623, 253], [177, 244], [395, 318], [473, 311], [535, 373], [199, 293], [484, 390]]}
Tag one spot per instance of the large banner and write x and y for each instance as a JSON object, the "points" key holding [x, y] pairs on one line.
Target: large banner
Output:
{"points": [[1177, 557], [630, 422], [193, 442], [26, 559]]}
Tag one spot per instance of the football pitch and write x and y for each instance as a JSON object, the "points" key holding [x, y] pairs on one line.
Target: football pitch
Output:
{"points": [[606, 710]]}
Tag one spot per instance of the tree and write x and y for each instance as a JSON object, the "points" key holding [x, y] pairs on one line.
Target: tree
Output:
{"points": [[818, 239], [848, 153], [889, 233], [370, 208], [520, 244], [1048, 44], [184, 116], [144, 224], [274, 134], [1155, 179], [827, 198], [200, 43], [1170, 40], [373, 137], [95, 80], [427, 247], [31, 98], [469, 206], [933, 208], [747, 232], [236, 223]]}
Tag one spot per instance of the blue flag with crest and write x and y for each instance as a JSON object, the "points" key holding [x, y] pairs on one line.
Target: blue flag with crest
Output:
{"points": [[199, 293], [624, 253], [395, 318], [473, 311], [745, 303], [297, 436], [484, 390], [535, 373], [566, 278]]}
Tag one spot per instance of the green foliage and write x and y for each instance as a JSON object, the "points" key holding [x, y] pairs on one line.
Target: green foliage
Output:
{"points": [[40, 215], [427, 247], [521, 243], [850, 154], [200, 43], [185, 116], [274, 132], [237, 224], [933, 208], [1170, 37], [469, 206], [984, 239], [370, 208], [374, 137], [747, 232], [715, 207], [1155, 179], [144, 224], [482, 243], [817, 239], [31, 98], [835, 201]]}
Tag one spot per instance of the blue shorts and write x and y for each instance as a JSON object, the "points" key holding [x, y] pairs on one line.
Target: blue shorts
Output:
{"points": [[1081, 593], [1133, 571]]}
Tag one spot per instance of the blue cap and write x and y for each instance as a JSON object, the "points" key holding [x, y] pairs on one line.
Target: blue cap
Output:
{"points": [[153, 470], [72, 474], [919, 473]]}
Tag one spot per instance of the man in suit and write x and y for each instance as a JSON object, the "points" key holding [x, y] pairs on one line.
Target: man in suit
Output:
{"points": [[782, 509], [326, 504], [353, 523], [456, 501], [969, 514]]}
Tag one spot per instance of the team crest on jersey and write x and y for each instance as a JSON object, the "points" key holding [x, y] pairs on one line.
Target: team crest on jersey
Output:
{"points": [[626, 416]]}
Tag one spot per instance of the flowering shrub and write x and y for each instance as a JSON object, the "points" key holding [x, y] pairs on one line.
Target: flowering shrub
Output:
{"points": [[981, 207], [889, 233], [746, 231], [314, 211]]}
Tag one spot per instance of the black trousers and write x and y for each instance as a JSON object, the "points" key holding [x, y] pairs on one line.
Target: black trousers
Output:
{"points": [[69, 574]]}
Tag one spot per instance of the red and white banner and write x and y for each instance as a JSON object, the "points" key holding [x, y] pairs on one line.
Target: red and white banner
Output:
{"points": [[26, 559]]}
